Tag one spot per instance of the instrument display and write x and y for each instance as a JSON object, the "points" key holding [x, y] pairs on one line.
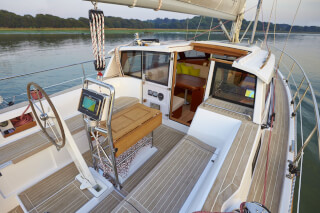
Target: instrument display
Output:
{"points": [[92, 104], [89, 103]]}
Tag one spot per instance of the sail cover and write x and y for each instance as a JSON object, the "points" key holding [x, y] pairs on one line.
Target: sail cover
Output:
{"points": [[223, 9]]}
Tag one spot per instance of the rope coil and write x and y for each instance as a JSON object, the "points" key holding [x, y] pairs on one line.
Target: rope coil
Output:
{"points": [[96, 21]]}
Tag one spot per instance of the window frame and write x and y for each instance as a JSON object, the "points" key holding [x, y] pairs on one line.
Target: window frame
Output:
{"points": [[144, 69], [141, 65], [229, 66]]}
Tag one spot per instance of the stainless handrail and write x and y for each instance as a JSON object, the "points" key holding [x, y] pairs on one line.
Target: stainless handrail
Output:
{"points": [[46, 70], [107, 131], [309, 87]]}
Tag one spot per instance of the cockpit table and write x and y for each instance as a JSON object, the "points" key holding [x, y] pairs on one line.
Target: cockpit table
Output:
{"points": [[195, 85], [132, 124]]}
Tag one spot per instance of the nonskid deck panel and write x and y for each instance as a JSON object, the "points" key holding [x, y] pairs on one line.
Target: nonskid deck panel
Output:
{"points": [[38, 197], [232, 171], [168, 185]]}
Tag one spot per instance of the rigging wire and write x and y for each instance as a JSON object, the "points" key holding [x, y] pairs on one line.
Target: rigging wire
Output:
{"points": [[218, 25], [286, 42], [267, 31], [198, 26], [187, 29], [275, 23], [210, 28]]}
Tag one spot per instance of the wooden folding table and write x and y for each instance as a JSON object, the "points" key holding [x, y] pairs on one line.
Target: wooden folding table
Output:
{"points": [[132, 124]]}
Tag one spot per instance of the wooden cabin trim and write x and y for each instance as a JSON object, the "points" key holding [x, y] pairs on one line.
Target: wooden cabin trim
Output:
{"points": [[220, 50], [221, 61], [174, 71]]}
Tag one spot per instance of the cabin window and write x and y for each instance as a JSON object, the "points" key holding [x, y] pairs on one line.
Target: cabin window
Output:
{"points": [[195, 54], [131, 63], [156, 67], [233, 85]]}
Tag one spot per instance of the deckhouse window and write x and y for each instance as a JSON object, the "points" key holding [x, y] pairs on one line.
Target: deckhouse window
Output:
{"points": [[233, 85], [156, 67], [131, 63], [154, 64]]}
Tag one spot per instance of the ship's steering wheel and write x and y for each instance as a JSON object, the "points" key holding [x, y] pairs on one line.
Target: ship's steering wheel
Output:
{"points": [[46, 118]]}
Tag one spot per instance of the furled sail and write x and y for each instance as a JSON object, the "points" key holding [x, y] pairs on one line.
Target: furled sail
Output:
{"points": [[223, 9]]}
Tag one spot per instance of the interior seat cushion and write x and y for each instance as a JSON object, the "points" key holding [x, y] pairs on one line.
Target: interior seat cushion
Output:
{"points": [[177, 103]]}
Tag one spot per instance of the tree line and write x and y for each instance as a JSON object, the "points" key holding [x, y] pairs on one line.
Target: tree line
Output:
{"points": [[12, 20]]}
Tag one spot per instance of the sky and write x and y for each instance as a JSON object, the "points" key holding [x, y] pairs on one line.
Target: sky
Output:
{"points": [[308, 13]]}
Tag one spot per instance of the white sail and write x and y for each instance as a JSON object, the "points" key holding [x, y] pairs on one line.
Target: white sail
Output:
{"points": [[223, 9]]}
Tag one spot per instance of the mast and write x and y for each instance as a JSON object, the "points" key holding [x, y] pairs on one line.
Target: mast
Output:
{"points": [[236, 27], [256, 20]]}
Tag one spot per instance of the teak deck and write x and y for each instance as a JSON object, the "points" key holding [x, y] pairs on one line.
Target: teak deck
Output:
{"points": [[233, 167], [40, 197], [168, 185], [277, 155]]}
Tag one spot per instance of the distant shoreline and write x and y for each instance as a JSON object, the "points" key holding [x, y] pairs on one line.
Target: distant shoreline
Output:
{"points": [[114, 30], [107, 30]]}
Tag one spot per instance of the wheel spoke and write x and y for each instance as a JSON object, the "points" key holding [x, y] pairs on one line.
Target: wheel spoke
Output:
{"points": [[57, 138], [40, 100], [34, 103]]}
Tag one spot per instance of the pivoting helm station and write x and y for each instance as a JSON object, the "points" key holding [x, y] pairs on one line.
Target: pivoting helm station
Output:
{"points": [[57, 132], [97, 108]]}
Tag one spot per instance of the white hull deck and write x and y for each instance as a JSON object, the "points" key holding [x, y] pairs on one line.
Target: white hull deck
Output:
{"points": [[165, 181]]}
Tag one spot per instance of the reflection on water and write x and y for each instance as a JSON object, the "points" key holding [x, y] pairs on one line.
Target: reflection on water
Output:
{"points": [[24, 53]]}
